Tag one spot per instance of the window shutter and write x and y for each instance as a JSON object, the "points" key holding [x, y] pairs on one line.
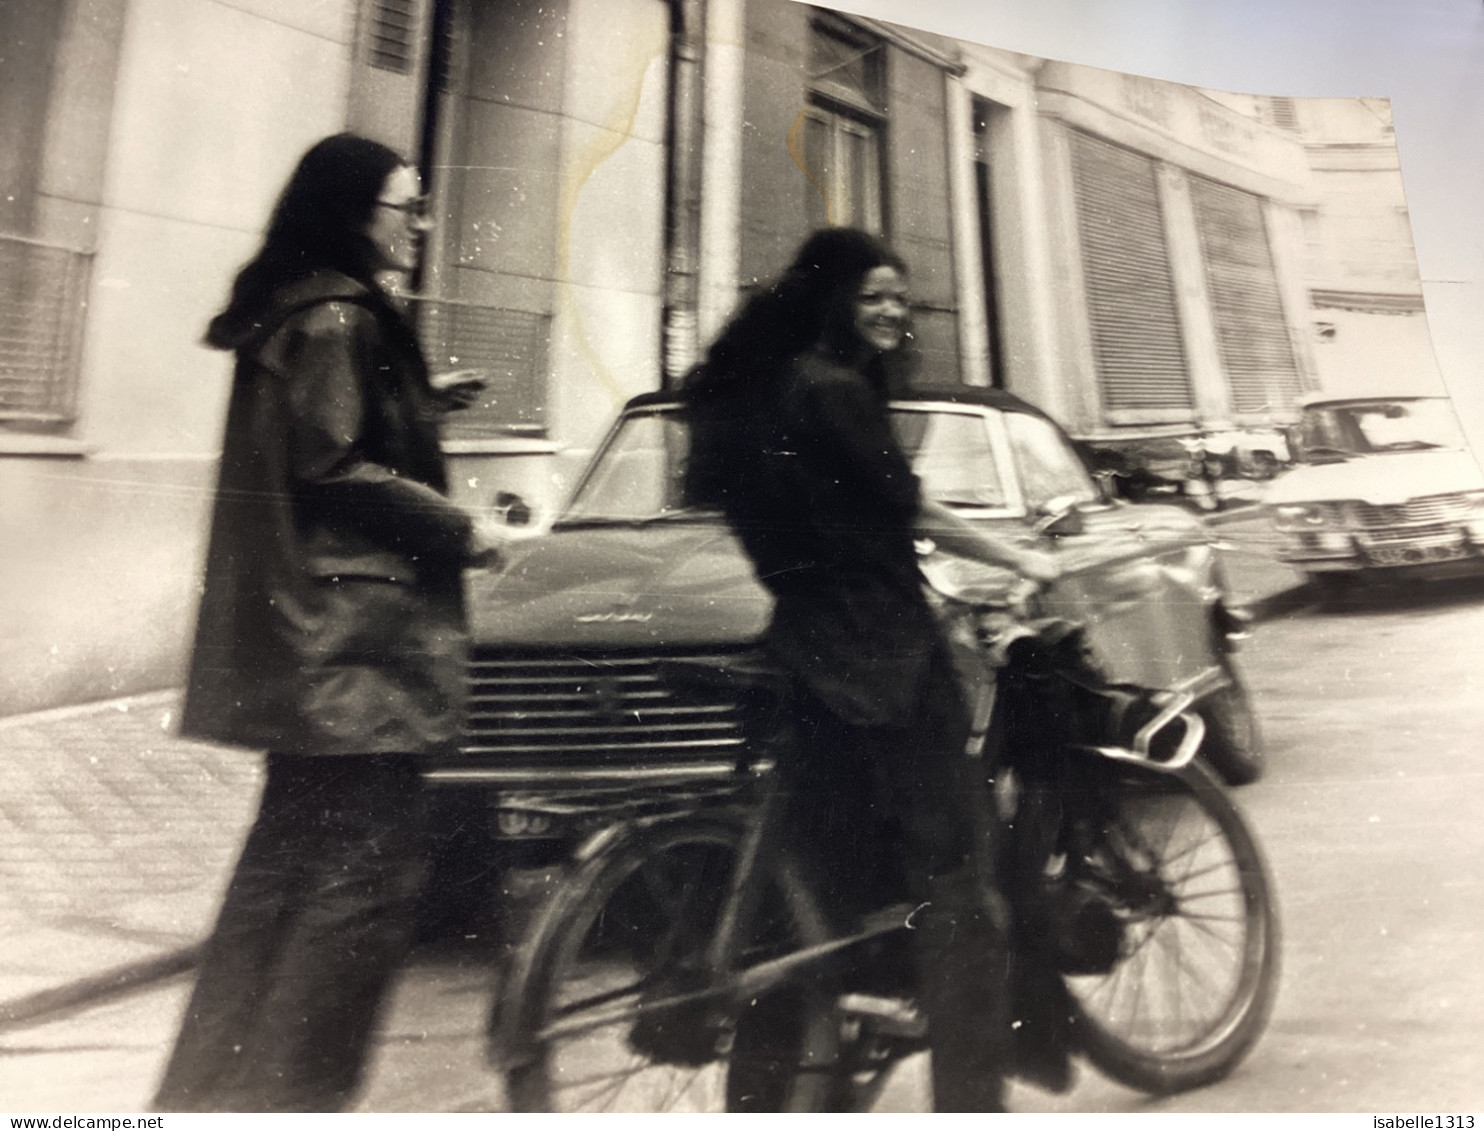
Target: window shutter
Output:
{"points": [[510, 346], [1283, 113], [1136, 338], [390, 43], [43, 301], [1246, 307], [388, 81]]}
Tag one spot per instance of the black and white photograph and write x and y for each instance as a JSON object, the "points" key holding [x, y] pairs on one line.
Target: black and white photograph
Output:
{"points": [[741, 556]]}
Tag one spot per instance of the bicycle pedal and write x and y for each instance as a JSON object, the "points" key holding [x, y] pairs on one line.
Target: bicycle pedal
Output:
{"points": [[891, 1016]]}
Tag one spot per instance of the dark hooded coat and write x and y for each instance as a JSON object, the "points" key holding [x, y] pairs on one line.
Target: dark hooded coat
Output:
{"points": [[332, 617]]}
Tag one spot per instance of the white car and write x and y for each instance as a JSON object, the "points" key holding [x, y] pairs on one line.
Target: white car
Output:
{"points": [[1384, 487]]}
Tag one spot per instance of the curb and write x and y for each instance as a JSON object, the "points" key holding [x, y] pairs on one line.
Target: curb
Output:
{"points": [[43, 715], [85, 993]]}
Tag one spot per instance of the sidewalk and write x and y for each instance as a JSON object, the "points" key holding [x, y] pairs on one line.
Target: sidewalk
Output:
{"points": [[117, 836], [116, 840]]}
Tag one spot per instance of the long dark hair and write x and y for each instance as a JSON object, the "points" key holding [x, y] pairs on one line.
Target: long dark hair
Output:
{"points": [[319, 222], [811, 303], [731, 394]]}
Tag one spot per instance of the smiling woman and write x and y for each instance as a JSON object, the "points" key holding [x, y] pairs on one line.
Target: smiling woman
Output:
{"points": [[400, 222], [791, 439], [881, 308]]}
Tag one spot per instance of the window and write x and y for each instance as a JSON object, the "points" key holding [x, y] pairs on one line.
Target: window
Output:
{"points": [[1283, 113], [509, 346], [842, 160], [1251, 328], [485, 297], [842, 127], [1381, 426], [43, 291], [1137, 343], [391, 44], [43, 286]]}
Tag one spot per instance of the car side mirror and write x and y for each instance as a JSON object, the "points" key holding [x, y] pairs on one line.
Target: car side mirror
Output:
{"points": [[1060, 517]]}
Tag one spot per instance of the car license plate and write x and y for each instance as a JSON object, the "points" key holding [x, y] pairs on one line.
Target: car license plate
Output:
{"points": [[1417, 554]]}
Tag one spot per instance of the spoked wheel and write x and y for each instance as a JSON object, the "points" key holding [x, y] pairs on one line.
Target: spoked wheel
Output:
{"points": [[1198, 967], [608, 1011]]}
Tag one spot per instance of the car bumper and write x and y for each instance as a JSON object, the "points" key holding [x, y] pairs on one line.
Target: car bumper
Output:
{"points": [[1450, 553]]}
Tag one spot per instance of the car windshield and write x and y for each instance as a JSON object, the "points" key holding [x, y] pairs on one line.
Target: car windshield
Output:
{"points": [[952, 454], [1371, 427], [638, 475], [1049, 468]]}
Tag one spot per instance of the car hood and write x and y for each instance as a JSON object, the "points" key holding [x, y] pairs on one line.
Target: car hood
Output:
{"points": [[665, 585], [1380, 479]]}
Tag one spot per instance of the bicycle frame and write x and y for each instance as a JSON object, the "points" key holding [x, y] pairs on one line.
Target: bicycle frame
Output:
{"points": [[760, 849], [723, 984]]}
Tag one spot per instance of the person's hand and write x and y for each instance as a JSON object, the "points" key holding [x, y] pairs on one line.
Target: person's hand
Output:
{"points": [[459, 388], [1038, 566], [487, 542]]}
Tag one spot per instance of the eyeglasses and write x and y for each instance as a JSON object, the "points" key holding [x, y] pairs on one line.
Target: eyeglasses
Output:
{"points": [[416, 208]]}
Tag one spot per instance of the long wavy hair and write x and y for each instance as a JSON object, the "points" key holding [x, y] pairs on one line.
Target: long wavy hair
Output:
{"points": [[319, 222], [811, 305]]}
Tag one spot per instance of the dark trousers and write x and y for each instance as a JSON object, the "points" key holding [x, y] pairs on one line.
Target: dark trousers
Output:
{"points": [[317, 919], [875, 813]]}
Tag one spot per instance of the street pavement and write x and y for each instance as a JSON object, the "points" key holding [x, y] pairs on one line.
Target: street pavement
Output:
{"points": [[117, 836], [116, 839]]}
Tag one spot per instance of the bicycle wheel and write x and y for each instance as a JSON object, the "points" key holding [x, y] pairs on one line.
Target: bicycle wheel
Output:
{"points": [[599, 1018], [1197, 971]]}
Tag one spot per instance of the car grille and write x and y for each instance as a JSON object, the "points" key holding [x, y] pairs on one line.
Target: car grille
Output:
{"points": [[1433, 509], [607, 708], [1408, 534]]}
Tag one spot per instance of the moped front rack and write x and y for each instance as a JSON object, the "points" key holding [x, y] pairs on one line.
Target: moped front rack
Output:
{"points": [[1174, 703]]}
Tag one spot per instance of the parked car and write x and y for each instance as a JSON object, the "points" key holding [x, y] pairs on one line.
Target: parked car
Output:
{"points": [[1385, 488], [1187, 466], [573, 713]]}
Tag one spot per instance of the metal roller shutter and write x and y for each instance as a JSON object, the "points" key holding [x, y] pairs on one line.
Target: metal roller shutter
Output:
{"points": [[1251, 330], [1131, 307]]}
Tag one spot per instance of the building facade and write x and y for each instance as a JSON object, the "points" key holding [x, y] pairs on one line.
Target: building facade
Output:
{"points": [[610, 177]]}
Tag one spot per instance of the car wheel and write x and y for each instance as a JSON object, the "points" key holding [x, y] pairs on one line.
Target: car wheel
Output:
{"points": [[1233, 745]]}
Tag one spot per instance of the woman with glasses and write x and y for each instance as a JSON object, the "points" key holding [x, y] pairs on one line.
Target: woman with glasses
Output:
{"points": [[331, 634]]}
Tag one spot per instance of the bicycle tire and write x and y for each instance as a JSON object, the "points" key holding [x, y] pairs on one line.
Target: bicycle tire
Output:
{"points": [[593, 930], [1217, 911]]}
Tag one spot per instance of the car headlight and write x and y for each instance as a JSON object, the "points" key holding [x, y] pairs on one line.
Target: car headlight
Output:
{"points": [[1300, 516], [1474, 523]]}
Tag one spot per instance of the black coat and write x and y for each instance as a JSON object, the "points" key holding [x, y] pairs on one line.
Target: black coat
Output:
{"points": [[806, 467], [332, 617]]}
